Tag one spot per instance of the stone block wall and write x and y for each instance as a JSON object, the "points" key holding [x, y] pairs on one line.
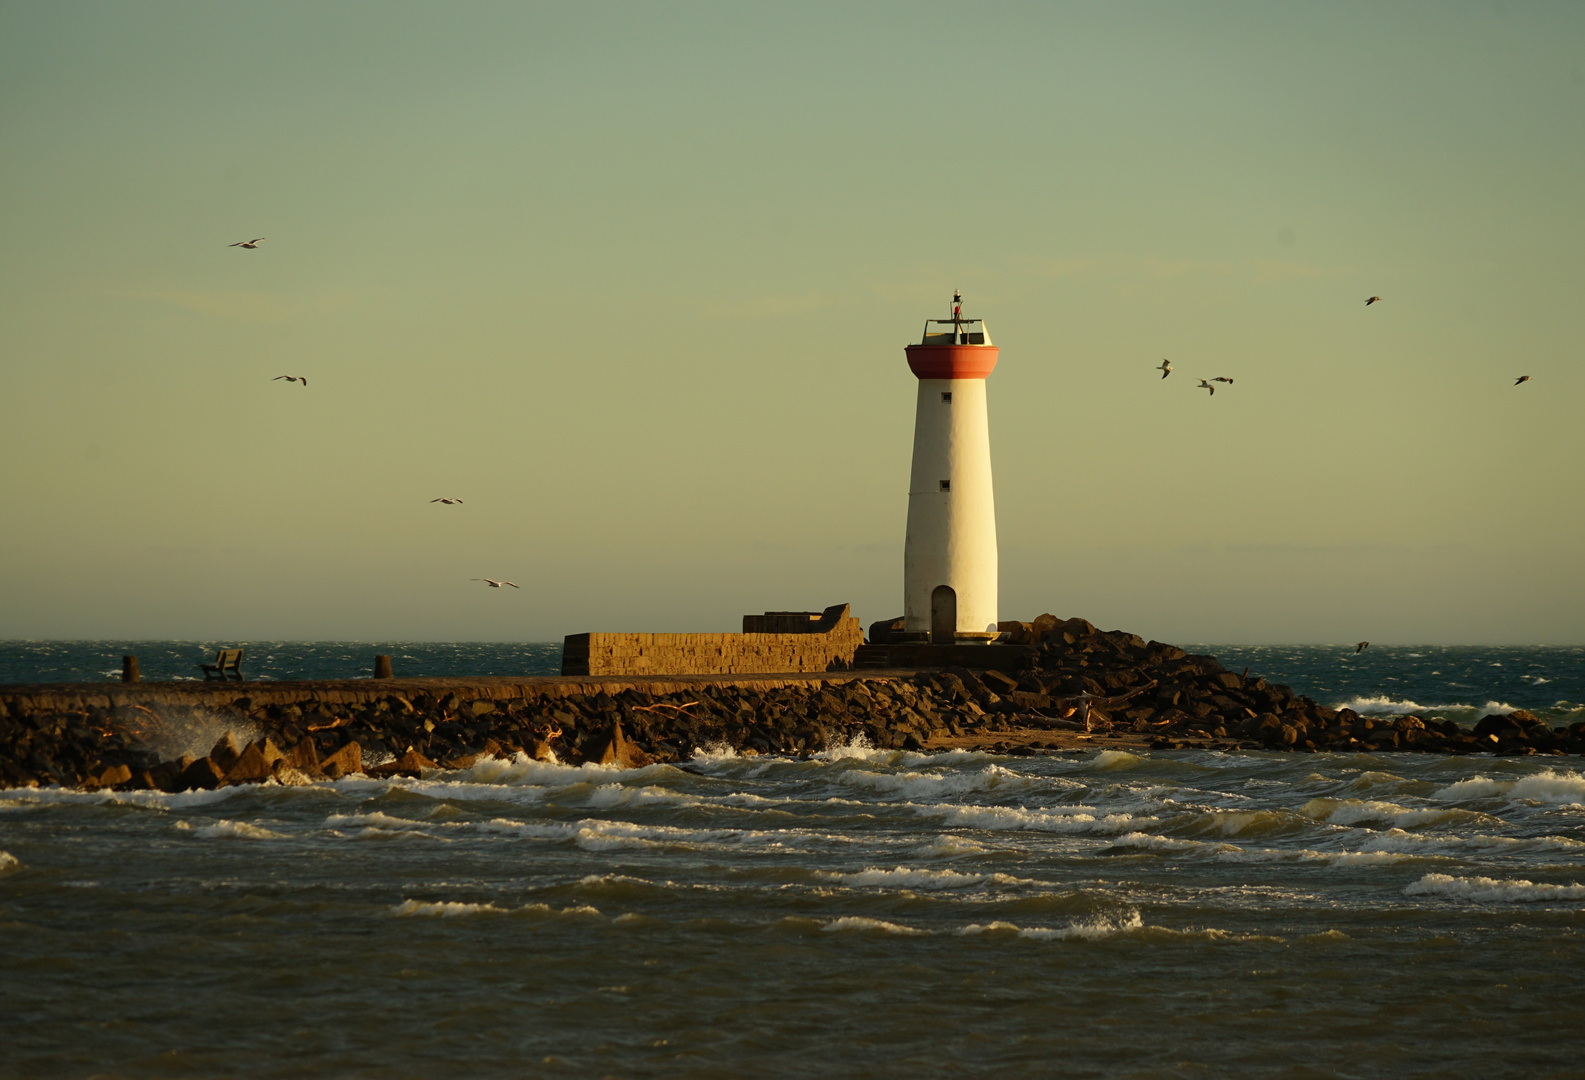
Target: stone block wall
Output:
{"points": [[829, 644]]}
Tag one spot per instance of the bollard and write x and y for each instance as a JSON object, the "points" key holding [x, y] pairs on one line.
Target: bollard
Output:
{"points": [[382, 667], [129, 669]]}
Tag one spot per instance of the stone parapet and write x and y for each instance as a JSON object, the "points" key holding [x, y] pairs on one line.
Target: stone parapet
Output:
{"points": [[809, 642]]}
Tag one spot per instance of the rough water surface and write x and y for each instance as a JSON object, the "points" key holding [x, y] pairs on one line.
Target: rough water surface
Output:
{"points": [[863, 913]]}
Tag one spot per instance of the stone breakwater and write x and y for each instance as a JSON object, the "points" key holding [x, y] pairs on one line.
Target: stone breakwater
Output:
{"points": [[1071, 686]]}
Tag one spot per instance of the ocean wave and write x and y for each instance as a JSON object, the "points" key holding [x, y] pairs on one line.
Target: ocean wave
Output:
{"points": [[1245, 822], [1067, 819], [9, 862], [610, 795], [1097, 929], [1560, 787], [859, 922], [918, 878], [1380, 812], [915, 785], [375, 819], [594, 834], [240, 830], [446, 909], [1494, 890], [948, 846], [1385, 705]]}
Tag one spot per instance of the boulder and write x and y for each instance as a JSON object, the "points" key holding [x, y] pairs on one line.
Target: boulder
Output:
{"points": [[225, 752], [251, 766], [204, 774], [617, 750], [304, 757], [481, 707], [344, 762]]}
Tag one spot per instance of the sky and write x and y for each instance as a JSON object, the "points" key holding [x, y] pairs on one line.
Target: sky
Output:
{"points": [[634, 282]]}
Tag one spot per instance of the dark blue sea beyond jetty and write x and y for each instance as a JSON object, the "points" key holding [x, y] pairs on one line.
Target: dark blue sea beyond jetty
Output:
{"points": [[863, 913]]}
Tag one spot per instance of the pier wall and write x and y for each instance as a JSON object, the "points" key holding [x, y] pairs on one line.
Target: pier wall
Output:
{"points": [[773, 642]]}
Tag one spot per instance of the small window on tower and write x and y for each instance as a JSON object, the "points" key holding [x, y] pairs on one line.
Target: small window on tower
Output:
{"points": [[946, 485], [946, 397]]}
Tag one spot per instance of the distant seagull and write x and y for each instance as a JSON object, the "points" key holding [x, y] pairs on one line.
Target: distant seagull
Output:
{"points": [[1372, 300], [1520, 379], [1223, 378], [1209, 387], [1361, 647], [1165, 368], [249, 244], [292, 378], [492, 582], [449, 502]]}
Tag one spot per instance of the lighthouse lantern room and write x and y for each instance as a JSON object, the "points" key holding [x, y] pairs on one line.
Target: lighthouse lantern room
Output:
{"points": [[949, 557]]}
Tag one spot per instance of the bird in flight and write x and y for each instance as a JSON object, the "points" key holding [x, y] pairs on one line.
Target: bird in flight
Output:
{"points": [[1223, 378], [1165, 368], [1209, 387], [1361, 647], [492, 583], [1372, 300], [249, 244], [449, 502], [1520, 379], [292, 378]]}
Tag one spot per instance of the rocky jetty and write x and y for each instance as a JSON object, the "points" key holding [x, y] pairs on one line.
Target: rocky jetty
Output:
{"points": [[1071, 686]]}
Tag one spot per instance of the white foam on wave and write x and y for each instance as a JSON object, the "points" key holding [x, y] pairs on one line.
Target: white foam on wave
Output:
{"points": [[858, 747], [239, 830], [450, 909], [1153, 842], [9, 862], [947, 846], [910, 877], [1097, 929], [925, 785], [1378, 811], [1494, 890], [594, 834], [1560, 787], [1065, 819], [375, 819], [859, 922], [446, 909], [609, 795]]}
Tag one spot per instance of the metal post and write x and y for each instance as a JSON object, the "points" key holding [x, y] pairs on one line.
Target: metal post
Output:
{"points": [[382, 667], [129, 669]]}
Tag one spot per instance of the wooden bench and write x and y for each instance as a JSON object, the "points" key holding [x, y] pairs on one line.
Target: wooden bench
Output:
{"points": [[226, 660]]}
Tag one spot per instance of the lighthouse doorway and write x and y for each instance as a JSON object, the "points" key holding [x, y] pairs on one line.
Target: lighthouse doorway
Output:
{"points": [[943, 615]]}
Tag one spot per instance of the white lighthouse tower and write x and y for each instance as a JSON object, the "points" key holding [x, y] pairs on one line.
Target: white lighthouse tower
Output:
{"points": [[949, 558]]}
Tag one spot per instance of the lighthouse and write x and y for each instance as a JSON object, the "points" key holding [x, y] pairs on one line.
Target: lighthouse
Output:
{"points": [[949, 557]]}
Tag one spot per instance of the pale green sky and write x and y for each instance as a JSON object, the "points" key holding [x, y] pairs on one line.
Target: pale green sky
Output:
{"points": [[634, 281]]}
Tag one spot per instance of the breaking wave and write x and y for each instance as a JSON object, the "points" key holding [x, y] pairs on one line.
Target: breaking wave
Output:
{"points": [[1493, 890]]}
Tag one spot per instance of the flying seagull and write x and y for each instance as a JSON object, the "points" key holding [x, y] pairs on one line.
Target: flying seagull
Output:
{"points": [[1223, 378], [1520, 379], [1209, 387], [1165, 368], [292, 378], [249, 244], [449, 502], [492, 583], [1372, 300], [1361, 647]]}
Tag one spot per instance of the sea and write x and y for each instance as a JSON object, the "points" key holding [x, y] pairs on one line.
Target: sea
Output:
{"points": [[860, 913]]}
